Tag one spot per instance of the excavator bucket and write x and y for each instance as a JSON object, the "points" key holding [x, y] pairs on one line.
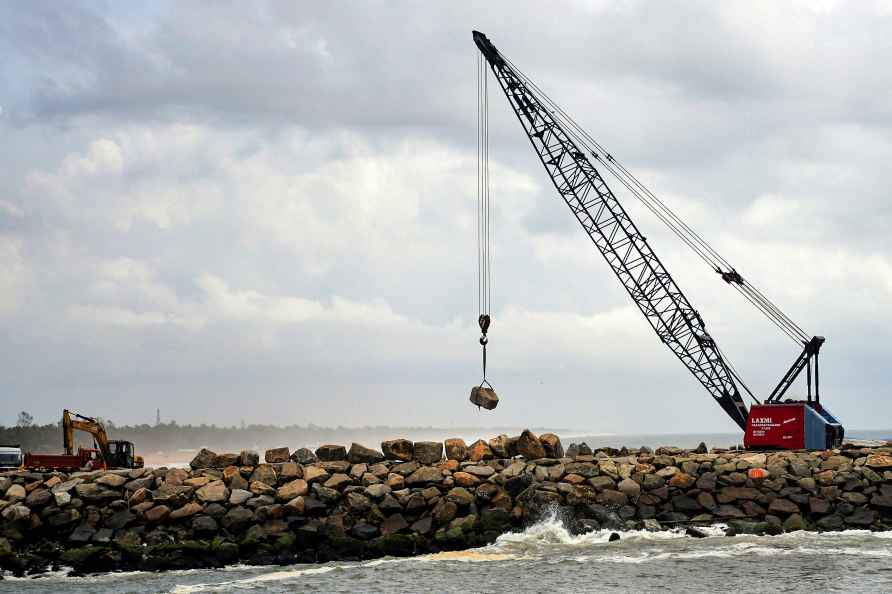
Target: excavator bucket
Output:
{"points": [[484, 397]]}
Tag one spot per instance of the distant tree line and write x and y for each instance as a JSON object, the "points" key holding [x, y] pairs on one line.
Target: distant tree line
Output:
{"points": [[171, 436]]}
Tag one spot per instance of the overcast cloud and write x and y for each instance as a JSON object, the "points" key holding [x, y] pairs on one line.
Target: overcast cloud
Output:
{"points": [[265, 212]]}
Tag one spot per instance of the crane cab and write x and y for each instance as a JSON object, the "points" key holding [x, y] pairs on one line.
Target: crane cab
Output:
{"points": [[799, 425]]}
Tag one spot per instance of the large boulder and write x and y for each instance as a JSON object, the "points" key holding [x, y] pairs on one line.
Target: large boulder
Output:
{"points": [[861, 517], [38, 498], [358, 503], [529, 447], [479, 450], [277, 455], [15, 513], [187, 511], [359, 454], [265, 473], [289, 491], [258, 488], [780, 506], [552, 445], [460, 496], [880, 461], [92, 492], [234, 478], [377, 491], [63, 498], [203, 459], [68, 485], [629, 488], [290, 470], [204, 526], [484, 397], [428, 452], [393, 523], [224, 460], [215, 492], [304, 456], [295, 507], [237, 519], [465, 479], [146, 482], [499, 446], [495, 519], [315, 474], [398, 449], [338, 481], [331, 453], [584, 469], [425, 475], [682, 480], [175, 476], [444, 511], [159, 513], [239, 496], [111, 480], [248, 458], [64, 517], [480, 471], [364, 531], [172, 496], [16, 493], [456, 449], [336, 466]]}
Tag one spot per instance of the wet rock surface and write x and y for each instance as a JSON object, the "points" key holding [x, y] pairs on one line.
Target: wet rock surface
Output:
{"points": [[408, 498]]}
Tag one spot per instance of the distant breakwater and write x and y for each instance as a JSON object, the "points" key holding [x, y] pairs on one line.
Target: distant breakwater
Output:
{"points": [[411, 498]]}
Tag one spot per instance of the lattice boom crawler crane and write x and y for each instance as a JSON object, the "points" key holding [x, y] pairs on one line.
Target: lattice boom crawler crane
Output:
{"points": [[565, 149]]}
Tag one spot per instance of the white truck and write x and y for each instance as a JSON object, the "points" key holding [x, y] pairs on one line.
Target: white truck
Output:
{"points": [[10, 457]]}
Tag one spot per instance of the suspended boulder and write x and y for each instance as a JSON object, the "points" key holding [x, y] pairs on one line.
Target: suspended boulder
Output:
{"points": [[484, 397]]}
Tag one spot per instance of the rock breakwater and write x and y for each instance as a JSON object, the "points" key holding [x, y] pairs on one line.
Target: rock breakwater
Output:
{"points": [[408, 498]]}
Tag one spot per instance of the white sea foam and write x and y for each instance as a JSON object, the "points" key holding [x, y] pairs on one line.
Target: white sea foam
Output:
{"points": [[551, 531], [482, 555], [283, 575], [275, 576]]}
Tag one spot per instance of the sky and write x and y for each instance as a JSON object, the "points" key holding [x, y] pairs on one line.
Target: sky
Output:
{"points": [[266, 211]]}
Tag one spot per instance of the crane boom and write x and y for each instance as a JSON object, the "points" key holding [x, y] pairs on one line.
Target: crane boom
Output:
{"points": [[626, 250]]}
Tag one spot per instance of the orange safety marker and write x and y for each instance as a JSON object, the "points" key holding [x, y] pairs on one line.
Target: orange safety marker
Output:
{"points": [[757, 473]]}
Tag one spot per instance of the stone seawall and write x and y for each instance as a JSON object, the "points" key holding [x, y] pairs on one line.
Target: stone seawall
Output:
{"points": [[412, 498]]}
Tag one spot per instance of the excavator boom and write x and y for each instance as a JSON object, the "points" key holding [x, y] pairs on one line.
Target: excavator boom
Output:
{"points": [[87, 425]]}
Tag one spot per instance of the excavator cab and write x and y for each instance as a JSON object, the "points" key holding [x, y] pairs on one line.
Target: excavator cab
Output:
{"points": [[121, 455]]}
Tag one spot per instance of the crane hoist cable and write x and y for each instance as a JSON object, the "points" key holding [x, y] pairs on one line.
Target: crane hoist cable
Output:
{"points": [[484, 244]]}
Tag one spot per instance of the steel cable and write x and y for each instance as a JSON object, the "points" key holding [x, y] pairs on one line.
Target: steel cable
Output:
{"points": [[484, 224], [665, 214]]}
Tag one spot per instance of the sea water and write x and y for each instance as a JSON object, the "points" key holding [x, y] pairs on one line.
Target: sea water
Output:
{"points": [[547, 558]]}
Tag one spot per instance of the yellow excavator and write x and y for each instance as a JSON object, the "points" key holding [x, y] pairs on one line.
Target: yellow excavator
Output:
{"points": [[115, 453], [106, 453]]}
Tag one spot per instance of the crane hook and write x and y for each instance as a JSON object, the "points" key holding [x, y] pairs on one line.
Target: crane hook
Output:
{"points": [[483, 395]]}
